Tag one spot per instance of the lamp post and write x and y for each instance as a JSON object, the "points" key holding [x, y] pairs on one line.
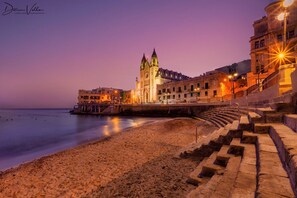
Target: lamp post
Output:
{"points": [[167, 94], [197, 90], [283, 17], [285, 70], [232, 77]]}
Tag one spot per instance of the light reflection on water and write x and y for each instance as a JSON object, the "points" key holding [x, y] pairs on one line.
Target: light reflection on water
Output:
{"points": [[29, 134]]}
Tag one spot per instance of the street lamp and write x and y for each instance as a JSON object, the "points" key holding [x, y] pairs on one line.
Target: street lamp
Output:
{"points": [[232, 77], [197, 90], [167, 94], [283, 17]]}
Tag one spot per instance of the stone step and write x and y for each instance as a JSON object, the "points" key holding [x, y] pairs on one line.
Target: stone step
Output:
{"points": [[206, 189], [290, 120], [206, 168], [225, 185], [234, 130], [261, 128], [217, 122], [223, 156], [219, 185], [255, 118], [225, 117], [245, 124], [194, 178], [286, 142], [249, 137], [272, 177], [223, 120], [246, 181], [202, 147], [236, 148], [264, 111], [274, 118]]}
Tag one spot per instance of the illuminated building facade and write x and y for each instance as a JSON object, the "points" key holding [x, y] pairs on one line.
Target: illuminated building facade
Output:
{"points": [[152, 75], [212, 86], [267, 42], [99, 95]]}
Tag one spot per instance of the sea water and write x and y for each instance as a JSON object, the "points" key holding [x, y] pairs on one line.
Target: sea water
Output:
{"points": [[29, 134]]}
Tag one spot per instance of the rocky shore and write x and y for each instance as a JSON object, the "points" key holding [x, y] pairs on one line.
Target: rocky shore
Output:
{"points": [[137, 163]]}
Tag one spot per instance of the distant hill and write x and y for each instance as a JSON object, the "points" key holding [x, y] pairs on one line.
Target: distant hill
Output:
{"points": [[242, 67]]}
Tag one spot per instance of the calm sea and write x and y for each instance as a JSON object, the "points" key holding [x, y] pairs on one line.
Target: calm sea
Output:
{"points": [[29, 134]]}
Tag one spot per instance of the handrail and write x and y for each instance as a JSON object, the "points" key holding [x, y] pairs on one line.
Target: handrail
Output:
{"points": [[205, 121], [268, 79]]}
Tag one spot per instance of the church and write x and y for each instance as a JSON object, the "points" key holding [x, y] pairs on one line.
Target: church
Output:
{"points": [[152, 75]]}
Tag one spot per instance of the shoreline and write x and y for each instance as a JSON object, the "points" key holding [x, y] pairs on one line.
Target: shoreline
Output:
{"points": [[101, 157], [103, 138]]}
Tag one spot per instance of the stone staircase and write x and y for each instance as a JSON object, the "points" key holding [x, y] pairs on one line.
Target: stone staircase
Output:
{"points": [[255, 156], [221, 116]]}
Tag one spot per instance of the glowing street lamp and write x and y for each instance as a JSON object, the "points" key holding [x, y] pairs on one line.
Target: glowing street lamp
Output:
{"points": [[283, 17], [232, 77]]}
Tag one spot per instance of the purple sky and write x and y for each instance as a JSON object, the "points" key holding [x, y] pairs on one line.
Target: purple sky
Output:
{"points": [[45, 59]]}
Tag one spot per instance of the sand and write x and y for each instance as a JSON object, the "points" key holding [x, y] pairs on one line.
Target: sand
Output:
{"points": [[139, 162]]}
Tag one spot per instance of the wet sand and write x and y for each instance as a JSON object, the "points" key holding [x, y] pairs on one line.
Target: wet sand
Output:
{"points": [[137, 163]]}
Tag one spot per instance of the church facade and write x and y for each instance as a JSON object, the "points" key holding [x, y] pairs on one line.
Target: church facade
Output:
{"points": [[152, 75]]}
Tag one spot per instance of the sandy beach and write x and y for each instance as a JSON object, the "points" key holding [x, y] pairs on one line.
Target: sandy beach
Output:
{"points": [[137, 163]]}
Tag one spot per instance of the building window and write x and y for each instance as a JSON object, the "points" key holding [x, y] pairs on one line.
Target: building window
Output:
{"points": [[257, 69], [192, 87], [198, 85], [206, 86], [164, 90], [191, 94], [185, 95], [262, 43], [163, 97], [168, 90], [179, 89], [215, 93], [178, 95], [168, 97], [173, 89], [159, 92], [279, 37], [257, 44], [185, 87], [198, 94], [206, 93], [173, 96]]}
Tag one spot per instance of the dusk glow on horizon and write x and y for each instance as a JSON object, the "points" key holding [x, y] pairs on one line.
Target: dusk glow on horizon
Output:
{"points": [[46, 58]]}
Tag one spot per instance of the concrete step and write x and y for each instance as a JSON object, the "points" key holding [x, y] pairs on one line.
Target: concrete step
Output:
{"points": [[290, 120], [272, 177], [286, 142]]}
